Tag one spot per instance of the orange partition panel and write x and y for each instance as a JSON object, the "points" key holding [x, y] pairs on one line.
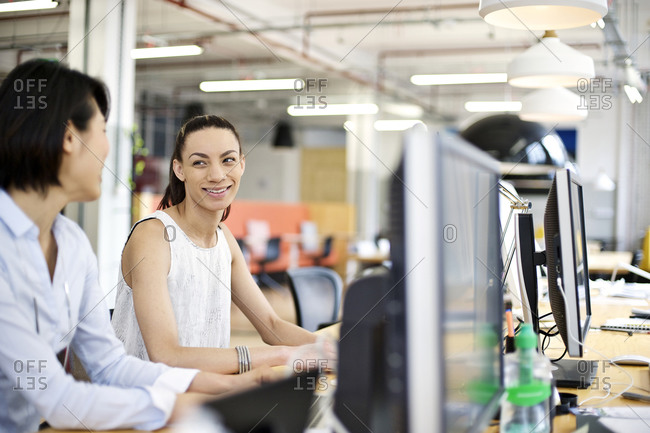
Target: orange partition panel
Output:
{"points": [[282, 217]]}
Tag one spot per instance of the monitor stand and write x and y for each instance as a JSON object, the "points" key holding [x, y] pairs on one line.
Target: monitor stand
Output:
{"points": [[574, 373]]}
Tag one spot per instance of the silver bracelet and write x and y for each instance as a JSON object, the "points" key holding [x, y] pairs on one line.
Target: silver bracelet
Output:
{"points": [[244, 359]]}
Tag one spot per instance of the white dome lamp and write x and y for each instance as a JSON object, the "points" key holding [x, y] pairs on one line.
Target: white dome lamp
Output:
{"points": [[542, 14], [550, 63], [552, 105]]}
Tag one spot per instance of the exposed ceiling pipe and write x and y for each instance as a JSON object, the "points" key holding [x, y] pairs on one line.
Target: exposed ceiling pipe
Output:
{"points": [[291, 27], [307, 25], [310, 60], [197, 63], [613, 37], [470, 49]]}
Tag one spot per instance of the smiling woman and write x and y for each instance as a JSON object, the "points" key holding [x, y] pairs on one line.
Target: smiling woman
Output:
{"points": [[182, 267]]}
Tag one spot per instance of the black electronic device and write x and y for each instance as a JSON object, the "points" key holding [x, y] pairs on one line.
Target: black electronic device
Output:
{"points": [[277, 407], [568, 274], [359, 398]]}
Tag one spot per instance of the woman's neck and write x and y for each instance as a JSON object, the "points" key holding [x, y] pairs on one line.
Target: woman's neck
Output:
{"points": [[198, 223], [41, 209]]}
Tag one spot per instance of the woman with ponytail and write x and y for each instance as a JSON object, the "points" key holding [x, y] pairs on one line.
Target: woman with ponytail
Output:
{"points": [[182, 267]]}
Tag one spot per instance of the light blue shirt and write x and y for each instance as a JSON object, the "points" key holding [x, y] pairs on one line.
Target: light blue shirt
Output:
{"points": [[38, 319]]}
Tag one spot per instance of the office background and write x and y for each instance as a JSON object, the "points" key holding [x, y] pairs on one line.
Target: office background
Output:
{"points": [[345, 52]]}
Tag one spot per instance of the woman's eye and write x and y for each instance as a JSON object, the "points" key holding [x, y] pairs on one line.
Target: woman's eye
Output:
{"points": [[229, 160], [195, 163]]}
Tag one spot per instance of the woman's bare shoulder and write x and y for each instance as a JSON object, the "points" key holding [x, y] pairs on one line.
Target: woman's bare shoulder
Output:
{"points": [[150, 234]]}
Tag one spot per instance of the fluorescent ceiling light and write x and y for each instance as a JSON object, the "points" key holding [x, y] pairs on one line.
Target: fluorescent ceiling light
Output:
{"points": [[252, 85], [542, 14], [555, 104], [445, 79], [28, 5], [395, 125], [550, 63], [158, 52], [492, 106], [633, 94], [409, 111], [332, 109]]}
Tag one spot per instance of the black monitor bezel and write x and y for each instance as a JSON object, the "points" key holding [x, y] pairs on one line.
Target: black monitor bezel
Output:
{"points": [[567, 308]]}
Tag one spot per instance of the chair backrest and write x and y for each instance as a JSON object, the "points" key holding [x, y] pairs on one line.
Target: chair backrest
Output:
{"points": [[316, 294], [327, 246], [272, 250]]}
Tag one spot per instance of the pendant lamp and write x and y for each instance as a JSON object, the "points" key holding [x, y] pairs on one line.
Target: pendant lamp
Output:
{"points": [[542, 14], [555, 104], [550, 63]]}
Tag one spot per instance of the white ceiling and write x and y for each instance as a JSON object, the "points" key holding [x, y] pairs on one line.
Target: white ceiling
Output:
{"points": [[367, 50]]}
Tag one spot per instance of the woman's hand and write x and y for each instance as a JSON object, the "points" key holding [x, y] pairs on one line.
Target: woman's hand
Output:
{"points": [[321, 356]]}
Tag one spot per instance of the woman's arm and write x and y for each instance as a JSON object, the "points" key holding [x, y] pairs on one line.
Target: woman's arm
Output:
{"points": [[250, 299], [146, 262]]}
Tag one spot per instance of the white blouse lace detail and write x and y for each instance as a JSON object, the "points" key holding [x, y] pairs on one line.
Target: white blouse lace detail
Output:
{"points": [[199, 289]]}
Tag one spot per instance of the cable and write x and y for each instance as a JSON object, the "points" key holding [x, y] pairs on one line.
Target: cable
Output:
{"points": [[605, 398]]}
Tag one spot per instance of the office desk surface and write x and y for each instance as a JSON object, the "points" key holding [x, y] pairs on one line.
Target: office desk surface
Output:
{"points": [[604, 262], [609, 344], [332, 331]]}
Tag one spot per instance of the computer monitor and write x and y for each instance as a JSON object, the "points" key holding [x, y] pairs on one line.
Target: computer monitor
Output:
{"points": [[444, 320], [567, 270], [566, 260], [527, 261]]}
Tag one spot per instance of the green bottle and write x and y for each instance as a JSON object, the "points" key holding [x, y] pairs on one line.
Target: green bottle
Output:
{"points": [[527, 378]]}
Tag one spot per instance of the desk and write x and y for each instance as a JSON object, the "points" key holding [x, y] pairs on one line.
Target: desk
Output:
{"points": [[609, 344], [332, 331], [604, 262]]}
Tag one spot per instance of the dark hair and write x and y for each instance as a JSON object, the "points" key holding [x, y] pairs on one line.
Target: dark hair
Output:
{"points": [[37, 99], [175, 191]]}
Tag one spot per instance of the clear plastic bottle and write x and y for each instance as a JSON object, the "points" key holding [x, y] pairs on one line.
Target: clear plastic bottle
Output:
{"points": [[526, 408]]}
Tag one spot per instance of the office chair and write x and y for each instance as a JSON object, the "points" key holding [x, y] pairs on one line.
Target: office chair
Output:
{"points": [[327, 250], [316, 295], [319, 255], [272, 254]]}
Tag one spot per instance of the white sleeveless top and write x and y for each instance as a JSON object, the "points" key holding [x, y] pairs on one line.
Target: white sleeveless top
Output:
{"points": [[199, 289]]}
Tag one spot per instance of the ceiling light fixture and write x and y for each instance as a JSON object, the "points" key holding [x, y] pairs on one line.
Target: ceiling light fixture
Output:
{"points": [[296, 84], [600, 23], [395, 125], [633, 94], [492, 106], [542, 14], [634, 86], [446, 79], [550, 63], [31, 5], [555, 104], [332, 109], [159, 52]]}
